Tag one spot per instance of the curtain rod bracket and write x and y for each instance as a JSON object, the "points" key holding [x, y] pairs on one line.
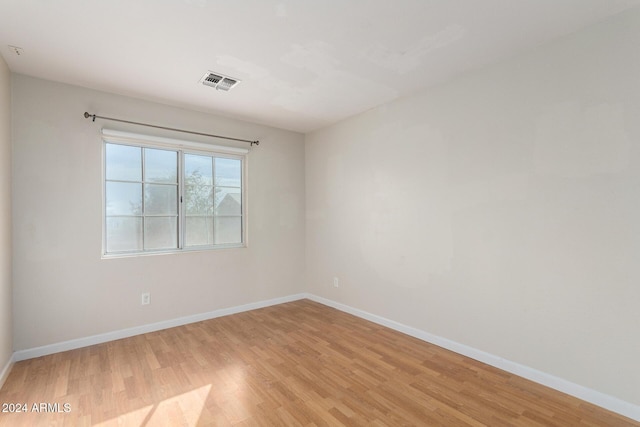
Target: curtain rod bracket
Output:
{"points": [[93, 116]]}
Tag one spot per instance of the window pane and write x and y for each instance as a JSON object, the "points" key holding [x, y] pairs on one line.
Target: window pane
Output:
{"points": [[160, 165], [228, 230], [199, 231], [124, 234], [198, 200], [160, 232], [123, 198], [229, 201], [160, 199], [123, 163], [228, 172], [198, 170]]}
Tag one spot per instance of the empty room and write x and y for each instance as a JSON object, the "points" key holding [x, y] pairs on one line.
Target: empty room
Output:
{"points": [[329, 213]]}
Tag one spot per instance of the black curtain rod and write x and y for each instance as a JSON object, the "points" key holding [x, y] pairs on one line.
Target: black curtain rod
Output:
{"points": [[94, 117]]}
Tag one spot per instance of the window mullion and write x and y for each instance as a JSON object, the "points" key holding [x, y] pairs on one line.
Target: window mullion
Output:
{"points": [[144, 208], [181, 211], [213, 202]]}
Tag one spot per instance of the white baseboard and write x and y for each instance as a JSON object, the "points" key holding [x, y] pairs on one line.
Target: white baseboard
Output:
{"points": [[6, 369], [589, 395], [129, 332]]}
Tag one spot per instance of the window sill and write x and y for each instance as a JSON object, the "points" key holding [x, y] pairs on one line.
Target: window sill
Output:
{"points": [[171, 252]]}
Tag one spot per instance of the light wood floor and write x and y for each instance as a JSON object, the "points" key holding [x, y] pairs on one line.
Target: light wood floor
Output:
{"points": [[299, 363]]}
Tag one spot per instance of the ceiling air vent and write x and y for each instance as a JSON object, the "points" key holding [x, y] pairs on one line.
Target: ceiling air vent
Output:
{"points": [[218, 81]]}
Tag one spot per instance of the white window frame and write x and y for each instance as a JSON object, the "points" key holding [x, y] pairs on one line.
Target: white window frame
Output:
{"points": [[182, 147]]}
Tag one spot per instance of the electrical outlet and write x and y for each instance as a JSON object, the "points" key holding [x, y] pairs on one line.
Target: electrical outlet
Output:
{"points": [[336, 282], [146, 298]]}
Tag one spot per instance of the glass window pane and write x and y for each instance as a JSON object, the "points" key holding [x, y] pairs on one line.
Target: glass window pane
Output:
{"points": [[198, 231], [123, 198], [160, 232], [198, 200], [123, 163], [229, 201], [124, 234], [198, 170], [228, 230], [160, 165], [160, 199], [228, 172]]}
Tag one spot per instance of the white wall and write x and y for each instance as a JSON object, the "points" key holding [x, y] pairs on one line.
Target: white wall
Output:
{"points": [[500, 211], [63, 289], [6, 329]]}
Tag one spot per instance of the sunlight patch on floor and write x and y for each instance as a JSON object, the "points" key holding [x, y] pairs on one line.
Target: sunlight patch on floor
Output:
{"points": [[182, 409]]}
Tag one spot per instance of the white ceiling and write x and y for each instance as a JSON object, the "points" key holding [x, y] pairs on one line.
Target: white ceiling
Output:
{"points": [[304, 64]]}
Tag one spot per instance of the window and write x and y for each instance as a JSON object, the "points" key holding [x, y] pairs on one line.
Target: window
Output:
{"points": [[159, 198]]}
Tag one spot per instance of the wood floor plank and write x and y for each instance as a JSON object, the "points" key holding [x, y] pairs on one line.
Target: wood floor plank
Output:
{"points": [[295, 364]]}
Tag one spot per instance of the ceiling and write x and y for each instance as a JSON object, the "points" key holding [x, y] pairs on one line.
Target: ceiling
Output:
{"points": [[303, 64]]}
